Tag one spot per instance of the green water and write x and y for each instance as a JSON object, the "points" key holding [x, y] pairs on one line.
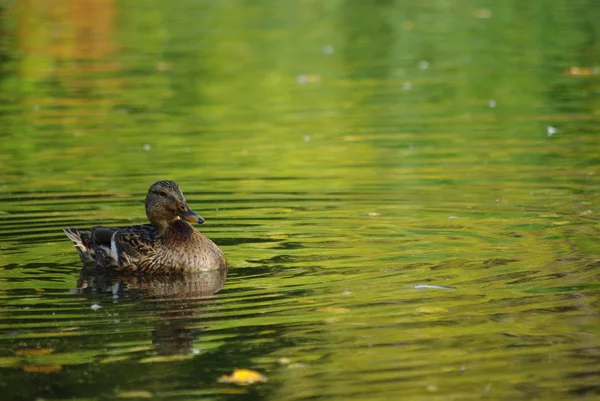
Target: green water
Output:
{"points": [[407, 194]]}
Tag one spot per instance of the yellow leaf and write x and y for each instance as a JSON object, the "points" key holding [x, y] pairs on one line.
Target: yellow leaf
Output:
{"points": [[42, 368], [243, 377], [33, 351], [135, 394], [579, 71], [284, 361]]}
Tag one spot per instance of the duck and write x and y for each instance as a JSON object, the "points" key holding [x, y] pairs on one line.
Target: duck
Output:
{"points": [[169, 244]]}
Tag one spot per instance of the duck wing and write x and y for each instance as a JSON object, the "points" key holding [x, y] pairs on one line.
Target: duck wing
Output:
{"points": [[134, 244], [103, 236], [122, 245]]}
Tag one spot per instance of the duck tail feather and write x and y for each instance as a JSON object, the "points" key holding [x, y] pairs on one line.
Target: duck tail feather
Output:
{"points": [[83, 243]]}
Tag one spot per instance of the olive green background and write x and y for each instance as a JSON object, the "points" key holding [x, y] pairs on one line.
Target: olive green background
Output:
{"points": [[407, 193]]}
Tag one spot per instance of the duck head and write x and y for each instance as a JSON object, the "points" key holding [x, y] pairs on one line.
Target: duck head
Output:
{"points": [[165, 204]]}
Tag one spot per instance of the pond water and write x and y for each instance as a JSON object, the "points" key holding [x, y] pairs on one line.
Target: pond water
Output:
{"points": [[407, 194]]}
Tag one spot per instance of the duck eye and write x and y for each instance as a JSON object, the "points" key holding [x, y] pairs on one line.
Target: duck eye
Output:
{"points": [[182, 208], [162, 193]]}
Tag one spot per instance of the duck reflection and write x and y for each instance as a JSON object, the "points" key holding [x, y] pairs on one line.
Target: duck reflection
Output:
{"points": [[179, 301]]}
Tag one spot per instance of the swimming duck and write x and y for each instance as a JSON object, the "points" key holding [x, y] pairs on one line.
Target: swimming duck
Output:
{"points": [[168, 245]]}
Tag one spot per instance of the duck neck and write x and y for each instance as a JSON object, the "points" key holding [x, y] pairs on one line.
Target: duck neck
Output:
{"points": [[162, 225]]}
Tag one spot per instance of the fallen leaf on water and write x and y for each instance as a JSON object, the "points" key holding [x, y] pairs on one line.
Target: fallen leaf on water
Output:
{"points": [[308, 79], [243, 377], [42, 368], [333, 309], [284, 361], [579, 71], [33, 351], [135, 394]]}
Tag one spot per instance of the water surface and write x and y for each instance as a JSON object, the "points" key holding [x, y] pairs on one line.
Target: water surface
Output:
{"points": [[407, 195]]}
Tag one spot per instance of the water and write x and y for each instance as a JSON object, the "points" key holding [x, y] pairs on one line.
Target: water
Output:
{"points": [[407, 195]]}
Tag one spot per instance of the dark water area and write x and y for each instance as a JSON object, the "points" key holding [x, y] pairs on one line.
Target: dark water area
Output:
{"points": [[407, 194]]}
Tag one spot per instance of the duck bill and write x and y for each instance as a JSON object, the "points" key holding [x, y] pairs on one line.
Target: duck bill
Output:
{"points": [[189, 215]]}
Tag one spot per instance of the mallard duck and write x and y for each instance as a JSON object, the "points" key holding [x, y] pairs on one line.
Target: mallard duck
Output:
{"points": [[168, 245]]}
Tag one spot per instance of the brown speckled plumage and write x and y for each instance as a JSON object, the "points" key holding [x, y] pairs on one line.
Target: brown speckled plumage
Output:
{"points": [[168, 245]]}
